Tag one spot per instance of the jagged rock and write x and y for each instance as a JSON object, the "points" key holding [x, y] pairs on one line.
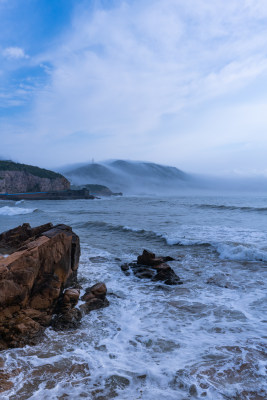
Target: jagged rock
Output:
{"points": [[95, 298], [66, 315], [16, 238], [68, 320], [33, 278], [35, 283], [151, 267], [149, 258]]}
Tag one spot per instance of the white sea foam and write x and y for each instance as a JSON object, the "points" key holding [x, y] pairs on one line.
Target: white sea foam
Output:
{"points": [[154, 341], [19, 202], [11, 211], [240, 252], [226, 251]]}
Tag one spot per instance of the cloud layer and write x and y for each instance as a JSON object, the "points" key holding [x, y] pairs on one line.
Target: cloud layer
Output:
{"points": [[164, 81]]}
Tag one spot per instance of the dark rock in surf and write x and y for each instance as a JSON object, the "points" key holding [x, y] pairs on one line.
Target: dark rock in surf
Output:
{"points": [[149, 266], [148, 258], [94, 298], [66, 315], [67, 320]]}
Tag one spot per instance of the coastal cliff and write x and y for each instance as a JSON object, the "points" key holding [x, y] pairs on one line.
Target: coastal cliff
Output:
{"points": [[18, 178]]}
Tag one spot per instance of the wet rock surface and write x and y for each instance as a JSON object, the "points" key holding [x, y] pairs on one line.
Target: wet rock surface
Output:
{"points": [[94, 298], [35, 283], [148, 266]]}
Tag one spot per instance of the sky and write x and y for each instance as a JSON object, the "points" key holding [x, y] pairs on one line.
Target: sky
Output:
{"points": [[175, 82]]}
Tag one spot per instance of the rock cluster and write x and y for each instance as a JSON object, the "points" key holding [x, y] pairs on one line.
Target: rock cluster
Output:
{"points": [[67, 316], [38, 283], [152, 267]]}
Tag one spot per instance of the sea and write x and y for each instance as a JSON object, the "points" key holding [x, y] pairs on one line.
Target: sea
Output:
{"points": [[204, 339]]}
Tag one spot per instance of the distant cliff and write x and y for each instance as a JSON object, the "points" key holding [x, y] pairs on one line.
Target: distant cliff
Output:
{"points": [[18, 178]]}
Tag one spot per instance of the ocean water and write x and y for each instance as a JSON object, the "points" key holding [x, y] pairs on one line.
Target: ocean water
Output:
{"points": [[205, 339]]}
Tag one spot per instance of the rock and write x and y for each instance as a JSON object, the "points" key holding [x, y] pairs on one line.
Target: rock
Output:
{"points": [[66, 315], [16, 238], [193, 390], [93, 304], [95, 298], [99, 290], [151, 267], [32, 279], [71, 297], [35, 283], [68, 320], [149, 258], [126, 269]]}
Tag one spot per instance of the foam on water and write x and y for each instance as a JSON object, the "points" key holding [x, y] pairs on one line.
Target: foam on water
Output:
{"points": [[246, 250], [153, 341], [19, 202], [203, 339], [11, 211], [223, 207]]}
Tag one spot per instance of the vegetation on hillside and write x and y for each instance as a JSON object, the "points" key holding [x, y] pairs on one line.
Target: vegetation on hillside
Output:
{"points": [[8, 165]]}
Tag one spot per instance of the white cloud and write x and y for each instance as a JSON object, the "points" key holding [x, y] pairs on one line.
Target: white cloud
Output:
{"points": [[14, 53], [120, 75]]}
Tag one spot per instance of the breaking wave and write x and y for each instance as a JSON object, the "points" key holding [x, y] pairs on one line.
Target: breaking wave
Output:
{"points": [[231, 208], [232, 251], [11, 211]]}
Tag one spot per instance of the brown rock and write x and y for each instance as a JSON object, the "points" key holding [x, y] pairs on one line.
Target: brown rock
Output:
{"points": [[33, 279], [95, 298], [151, 267], [13, 239], [67, 320], [71, 296], [99, 290], [93, 304], [149, 258], [88, 296]]}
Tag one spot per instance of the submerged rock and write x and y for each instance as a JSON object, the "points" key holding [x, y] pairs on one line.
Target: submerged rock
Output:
{"points": [[151, 267]]}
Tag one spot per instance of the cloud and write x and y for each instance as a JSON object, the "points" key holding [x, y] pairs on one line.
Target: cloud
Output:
{"points": [[126, 75], [14, 53], [125, 68]]}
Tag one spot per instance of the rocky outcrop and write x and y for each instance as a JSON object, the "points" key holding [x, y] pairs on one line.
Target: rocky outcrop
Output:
{"points": [[38, 279], [152, 267], [67, 316], [19, 178], [20, 181]]}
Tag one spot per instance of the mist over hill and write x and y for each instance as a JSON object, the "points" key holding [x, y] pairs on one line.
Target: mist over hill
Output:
{"points": [[140, 177], [129, 176]]}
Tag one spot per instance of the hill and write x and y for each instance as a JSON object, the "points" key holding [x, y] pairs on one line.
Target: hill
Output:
{"points": [[129, 176]]}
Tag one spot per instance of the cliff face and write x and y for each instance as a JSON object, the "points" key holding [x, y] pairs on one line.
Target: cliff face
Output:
{"points": [[18, 181]]}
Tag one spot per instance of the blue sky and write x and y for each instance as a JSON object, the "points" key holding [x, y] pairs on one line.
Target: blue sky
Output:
{"points": [[174, 82]]}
